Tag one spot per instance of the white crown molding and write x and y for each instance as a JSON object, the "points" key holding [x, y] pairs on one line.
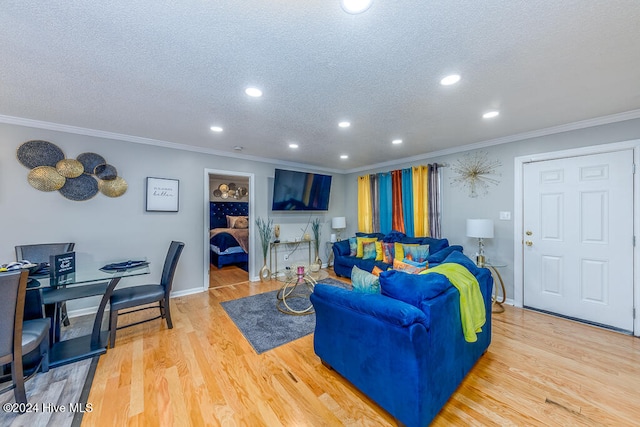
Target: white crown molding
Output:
{"points": [[598, 121], [38, 124]]}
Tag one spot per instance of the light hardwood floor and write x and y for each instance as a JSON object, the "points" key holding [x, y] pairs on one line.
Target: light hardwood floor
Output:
{"points": [[539, 371]]}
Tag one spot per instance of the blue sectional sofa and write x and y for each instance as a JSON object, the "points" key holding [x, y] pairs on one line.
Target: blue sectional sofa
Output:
{"points": [[343, 262], [403, 348]]}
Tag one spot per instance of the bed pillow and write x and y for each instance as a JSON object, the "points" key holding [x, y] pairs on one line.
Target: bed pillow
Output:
{"points": [[418, 253], [231, 220], [242, 222]]}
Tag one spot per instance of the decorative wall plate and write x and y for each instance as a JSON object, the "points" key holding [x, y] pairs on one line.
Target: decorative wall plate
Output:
{"points": [[223, 187], [81, 188], [69, 168], [105, 171], [39, 153], [217, 193], [113, 187], [45, 178], [90, 161]]}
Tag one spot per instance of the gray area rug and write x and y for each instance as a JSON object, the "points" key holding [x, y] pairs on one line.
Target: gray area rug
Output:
{"points": [[62, 386], [264, 326]]}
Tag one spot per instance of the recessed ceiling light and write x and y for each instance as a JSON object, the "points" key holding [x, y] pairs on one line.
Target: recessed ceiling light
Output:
{"points": [[253, 91], [344, 156], [355, 6], [293, 145], [490, 114], [396, 141], [344, 124], [216, 129], [238, 148], [450, 80]]}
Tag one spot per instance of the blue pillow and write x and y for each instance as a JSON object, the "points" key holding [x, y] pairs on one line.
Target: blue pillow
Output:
{"points": [[460, 258], [412, 288], [353, 246], [394, 236], [376, 235], [369, 250], [364, 282], [418, 253], [424, 264]]}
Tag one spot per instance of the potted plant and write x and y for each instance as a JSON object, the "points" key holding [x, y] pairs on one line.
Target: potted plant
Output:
{"points": [[315, 228], [265, 228]]}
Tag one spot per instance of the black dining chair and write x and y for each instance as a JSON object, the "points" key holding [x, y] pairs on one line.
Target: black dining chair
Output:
{"points": [[37, 254], [137, 296], [18, 337]]}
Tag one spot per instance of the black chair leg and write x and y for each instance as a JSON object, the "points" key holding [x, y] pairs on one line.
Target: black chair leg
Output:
{"points": [[113, 325], [167, 312], [63, 313], [18, 381]]}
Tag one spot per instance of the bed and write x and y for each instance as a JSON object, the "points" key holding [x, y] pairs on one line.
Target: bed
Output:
{"points": [[229, 234]]}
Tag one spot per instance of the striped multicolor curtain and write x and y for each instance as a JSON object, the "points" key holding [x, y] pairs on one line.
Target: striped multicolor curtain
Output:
{"points": [[375, 207], [421, 201], [365, 220], [397, 218], [407, 201], [384, 202], [435, 204]]}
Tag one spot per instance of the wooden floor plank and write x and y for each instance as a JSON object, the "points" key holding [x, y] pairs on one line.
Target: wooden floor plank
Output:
{"points": [[540, 370]]}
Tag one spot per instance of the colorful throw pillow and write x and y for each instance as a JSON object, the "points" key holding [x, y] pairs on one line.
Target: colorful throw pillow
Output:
{"points": [[399, 249], [407, 268], [387, 252], [418, 253], [369, 250], [353, 246], [376, 270], [378, 250], [424, 264], [364, 282], [361, 241]]}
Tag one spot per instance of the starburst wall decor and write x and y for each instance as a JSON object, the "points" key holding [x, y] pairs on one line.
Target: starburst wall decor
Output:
{"points": [[475, 172]]}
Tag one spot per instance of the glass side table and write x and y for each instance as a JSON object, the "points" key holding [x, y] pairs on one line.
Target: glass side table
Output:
{"points": [[498, 297]]}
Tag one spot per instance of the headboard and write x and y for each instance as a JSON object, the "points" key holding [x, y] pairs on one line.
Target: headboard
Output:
{"points": [[218, 212]]}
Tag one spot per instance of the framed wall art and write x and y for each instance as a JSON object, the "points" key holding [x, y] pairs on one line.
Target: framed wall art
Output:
{"points": [[162, 195]]}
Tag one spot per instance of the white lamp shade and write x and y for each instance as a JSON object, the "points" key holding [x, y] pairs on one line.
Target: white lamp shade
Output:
{"points": [[338, 223], [480, 228]]}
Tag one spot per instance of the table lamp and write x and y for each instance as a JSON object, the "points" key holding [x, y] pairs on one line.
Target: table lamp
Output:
{"points": [[482, 229], [338, 223]]}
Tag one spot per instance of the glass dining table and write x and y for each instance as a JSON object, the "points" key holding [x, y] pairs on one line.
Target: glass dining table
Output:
{"points": [[89, 280]]}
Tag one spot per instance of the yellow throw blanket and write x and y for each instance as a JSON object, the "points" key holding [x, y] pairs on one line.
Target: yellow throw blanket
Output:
{"points": [[472, 309]]}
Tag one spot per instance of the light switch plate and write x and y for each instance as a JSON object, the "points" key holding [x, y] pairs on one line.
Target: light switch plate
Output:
{"points": [[505, 216]]}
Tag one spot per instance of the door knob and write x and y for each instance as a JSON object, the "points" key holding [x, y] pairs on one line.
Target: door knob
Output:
{"points": [[528, 233], [528, 243]]}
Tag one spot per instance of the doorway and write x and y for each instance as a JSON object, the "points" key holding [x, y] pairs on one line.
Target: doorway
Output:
{"points": [[228, 196], [574, 246]]}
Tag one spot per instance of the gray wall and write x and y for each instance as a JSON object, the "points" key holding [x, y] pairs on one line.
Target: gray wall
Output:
{"points": [[108, 229], [457, 206]]}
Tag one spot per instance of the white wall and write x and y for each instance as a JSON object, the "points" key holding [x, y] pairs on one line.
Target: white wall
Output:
{"points": [[107, 229], [457, 206]]}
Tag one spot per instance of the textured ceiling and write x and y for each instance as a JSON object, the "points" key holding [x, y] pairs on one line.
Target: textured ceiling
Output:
{"points": [[167, 71]]}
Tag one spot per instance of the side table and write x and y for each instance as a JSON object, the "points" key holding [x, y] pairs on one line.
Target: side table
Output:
{"points": [[498, 298]]}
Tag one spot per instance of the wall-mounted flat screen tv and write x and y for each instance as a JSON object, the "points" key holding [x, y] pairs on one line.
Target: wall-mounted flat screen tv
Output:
{"points": [[300, 191]]}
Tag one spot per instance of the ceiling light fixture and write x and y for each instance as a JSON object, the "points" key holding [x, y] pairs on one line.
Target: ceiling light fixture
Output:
{"points": [[355, 6], [490, 114], [253, 92], [344, 124], [396, 141], [344, 156], [216, 129], [450, 80], [238, 148], [293, 145]]}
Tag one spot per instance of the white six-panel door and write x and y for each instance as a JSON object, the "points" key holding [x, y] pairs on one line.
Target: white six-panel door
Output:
{"points": [[578, 237]]}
